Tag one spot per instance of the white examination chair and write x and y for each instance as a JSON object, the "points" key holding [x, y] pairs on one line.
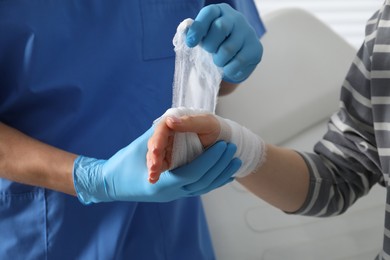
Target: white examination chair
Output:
{"points": [[287, 101]]}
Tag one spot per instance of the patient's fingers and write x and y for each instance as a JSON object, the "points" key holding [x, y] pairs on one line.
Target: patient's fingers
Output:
{"points": [[205, 125], [159, 151], [160, 145]]}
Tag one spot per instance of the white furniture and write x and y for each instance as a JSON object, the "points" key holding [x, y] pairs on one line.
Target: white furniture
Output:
{"points": [[287, 101]]}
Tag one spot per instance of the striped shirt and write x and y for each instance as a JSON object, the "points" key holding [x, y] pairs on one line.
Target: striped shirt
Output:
{"points": [[354, 154]]}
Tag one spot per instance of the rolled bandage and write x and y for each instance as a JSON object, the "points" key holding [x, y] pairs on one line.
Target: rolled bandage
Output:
{"points": [[187, 146]]}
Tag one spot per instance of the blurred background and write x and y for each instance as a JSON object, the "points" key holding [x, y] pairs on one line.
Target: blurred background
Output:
{"points": [[346, 17], [308, 48]]}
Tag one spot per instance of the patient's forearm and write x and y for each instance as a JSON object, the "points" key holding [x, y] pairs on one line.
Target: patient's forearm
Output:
{"points": [[26, 160], [282, 181]]}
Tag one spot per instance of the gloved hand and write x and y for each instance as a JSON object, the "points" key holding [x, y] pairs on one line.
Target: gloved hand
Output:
{"points": [[226, 34], [124, 177]]}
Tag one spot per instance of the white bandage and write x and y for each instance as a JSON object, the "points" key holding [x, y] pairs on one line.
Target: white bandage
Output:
{"points": [[197, 78], [250, 147]]}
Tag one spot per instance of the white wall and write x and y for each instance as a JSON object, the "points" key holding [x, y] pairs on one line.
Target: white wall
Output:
{"points": [[347, 17]]}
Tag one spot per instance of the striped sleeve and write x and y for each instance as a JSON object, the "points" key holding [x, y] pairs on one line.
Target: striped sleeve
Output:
{"points": [[346, 163]]}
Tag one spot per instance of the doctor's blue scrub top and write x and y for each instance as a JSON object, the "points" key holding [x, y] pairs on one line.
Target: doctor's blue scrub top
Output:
{"points": [[90, 76]]}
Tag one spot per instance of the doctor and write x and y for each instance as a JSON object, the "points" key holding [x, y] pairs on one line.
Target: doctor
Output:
{"points": [[79, 82]]}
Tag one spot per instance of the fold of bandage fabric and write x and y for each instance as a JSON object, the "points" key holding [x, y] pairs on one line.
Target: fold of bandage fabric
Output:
{"points": [[197, 78], [195, 91]]}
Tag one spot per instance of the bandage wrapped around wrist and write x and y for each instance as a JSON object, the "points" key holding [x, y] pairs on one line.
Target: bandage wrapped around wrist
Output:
{"points": [[250, 147], [187, 146], [195, 90]]}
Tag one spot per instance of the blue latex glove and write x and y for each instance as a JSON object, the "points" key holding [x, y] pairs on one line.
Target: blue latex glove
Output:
{"points": [[226, 34], [124, 177]]}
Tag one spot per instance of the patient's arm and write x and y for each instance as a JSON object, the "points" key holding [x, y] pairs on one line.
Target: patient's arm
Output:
{"points": [[206, 126], [282, 180]]}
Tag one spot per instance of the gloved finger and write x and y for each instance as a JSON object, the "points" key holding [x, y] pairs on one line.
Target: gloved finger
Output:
{"points": [[215, 172], [251, 52], [244, 62], [194, 170], [201, 24], [207, 190], [239, 68], [228, 50], [220, 29], [221, 180], [239, 75]]}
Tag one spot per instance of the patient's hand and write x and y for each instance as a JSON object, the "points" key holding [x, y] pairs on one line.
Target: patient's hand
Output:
{"points": [[160, 145]]}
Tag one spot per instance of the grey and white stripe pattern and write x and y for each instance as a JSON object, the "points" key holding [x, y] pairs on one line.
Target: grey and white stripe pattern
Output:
{"points": [[354, 154]]}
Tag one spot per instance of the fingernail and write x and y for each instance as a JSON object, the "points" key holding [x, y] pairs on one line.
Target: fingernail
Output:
{"points": [[153, 180]]}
